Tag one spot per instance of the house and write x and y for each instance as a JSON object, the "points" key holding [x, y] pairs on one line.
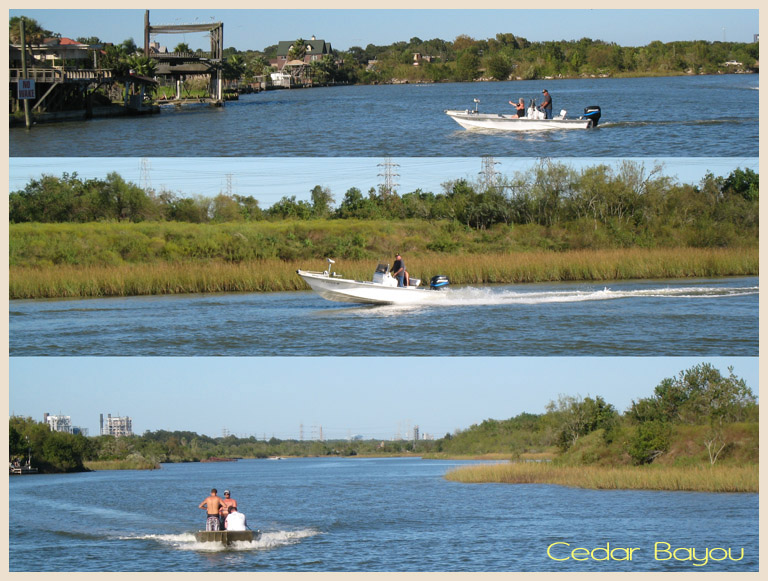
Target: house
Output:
{"points": [[315, 50]]}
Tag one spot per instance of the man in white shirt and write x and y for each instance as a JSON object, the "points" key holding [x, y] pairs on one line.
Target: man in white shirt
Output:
{"points": [[235, 520]]}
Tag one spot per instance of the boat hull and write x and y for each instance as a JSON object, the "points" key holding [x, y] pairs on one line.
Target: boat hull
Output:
{"points": [[363, 292], [227, 537], [471, 120]]}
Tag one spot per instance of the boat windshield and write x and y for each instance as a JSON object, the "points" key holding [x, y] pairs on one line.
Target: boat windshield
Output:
{"points": [[382, 268]]}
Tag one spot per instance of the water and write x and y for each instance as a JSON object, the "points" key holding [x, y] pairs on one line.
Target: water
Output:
{"points": [[690, 317], [657, 117], [325, 514]]}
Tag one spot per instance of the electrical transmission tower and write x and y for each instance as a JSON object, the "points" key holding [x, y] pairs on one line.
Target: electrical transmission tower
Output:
{"points": [[389, 176], [146, 183], [488, 172]]}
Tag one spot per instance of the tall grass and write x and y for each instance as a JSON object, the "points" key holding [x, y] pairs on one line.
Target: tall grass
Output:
{"points": [[207, 275], [725, 478], [127, 464]]}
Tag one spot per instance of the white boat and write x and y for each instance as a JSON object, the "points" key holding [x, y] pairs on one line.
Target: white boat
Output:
{"points": [[533, 121], [381, 290]]}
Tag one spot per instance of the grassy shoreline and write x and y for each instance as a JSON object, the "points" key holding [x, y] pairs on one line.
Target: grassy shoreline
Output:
{"points": [[672, 478], [273, 275]]}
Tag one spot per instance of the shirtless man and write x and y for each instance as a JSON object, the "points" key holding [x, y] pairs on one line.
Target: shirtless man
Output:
{"points": [[212, 505], [227, 502]]}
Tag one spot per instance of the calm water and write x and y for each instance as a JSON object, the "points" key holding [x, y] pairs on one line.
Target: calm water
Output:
{"points": [[659, 117], [360, 515], [638, 318]]}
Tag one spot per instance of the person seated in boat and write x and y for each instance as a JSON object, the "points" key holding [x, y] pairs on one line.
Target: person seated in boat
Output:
{"points": [[235, 520], [519, 107], [212, 505], [398, 270], [546, 105], [228, 502]]}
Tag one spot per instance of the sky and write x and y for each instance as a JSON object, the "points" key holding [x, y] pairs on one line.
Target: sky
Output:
{"points": [[257, 29], [269, 179], [347, 396]]}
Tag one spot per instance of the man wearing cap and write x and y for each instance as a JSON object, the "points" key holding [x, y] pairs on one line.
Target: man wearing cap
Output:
{"points": [[546, 105], [227, 502]]}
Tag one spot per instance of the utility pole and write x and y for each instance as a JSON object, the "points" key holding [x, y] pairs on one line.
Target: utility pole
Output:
{"points": [[27, 118]]}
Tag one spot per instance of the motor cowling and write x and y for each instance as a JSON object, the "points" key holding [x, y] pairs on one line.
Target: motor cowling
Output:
{"points": [[439, 281], [592, 112]]}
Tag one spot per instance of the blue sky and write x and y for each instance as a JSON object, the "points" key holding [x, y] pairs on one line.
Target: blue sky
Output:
{"points": [[256, 29], [346, 396], [269, 179]]}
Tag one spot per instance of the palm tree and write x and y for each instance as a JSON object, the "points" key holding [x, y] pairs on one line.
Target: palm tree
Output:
{"points": [[33, 32], [142, 65], [298, 50]]}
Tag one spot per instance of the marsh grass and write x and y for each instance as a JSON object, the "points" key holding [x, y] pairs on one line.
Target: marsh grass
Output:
{"points": [[207, 275], [723, 478], [128, 464]]}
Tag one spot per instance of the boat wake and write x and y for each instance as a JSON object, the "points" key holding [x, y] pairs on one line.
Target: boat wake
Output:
{"points": [[268, 540], [689, 122], [473, 296]]}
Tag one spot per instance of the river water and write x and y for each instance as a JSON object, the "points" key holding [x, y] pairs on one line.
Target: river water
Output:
{"points": [[393, 514], [645, 117], [690, 317]]}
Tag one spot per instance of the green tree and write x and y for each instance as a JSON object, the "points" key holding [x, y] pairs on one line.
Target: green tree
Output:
{"points": [[576, 417], [34, 33], [467, 65], [499, 67], [298, 50], [322, 200]]}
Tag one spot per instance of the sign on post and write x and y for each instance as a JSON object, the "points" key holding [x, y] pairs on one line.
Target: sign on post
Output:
{"points": [[26, 88]]}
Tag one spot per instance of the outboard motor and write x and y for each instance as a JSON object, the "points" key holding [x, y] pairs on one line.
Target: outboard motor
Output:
{"points": [[592, 112], [439, 281]]}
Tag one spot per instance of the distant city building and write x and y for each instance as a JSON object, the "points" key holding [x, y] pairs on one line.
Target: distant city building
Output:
{"points": [[415, 433], [58, 423], [756, 38], [115, 426], [80, 431]]}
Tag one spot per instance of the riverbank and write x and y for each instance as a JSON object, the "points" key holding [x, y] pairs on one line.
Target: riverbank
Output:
{"points": [[671, 478], [214, 276]]}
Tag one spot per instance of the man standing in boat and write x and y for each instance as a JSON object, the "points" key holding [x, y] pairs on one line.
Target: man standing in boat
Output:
{"points": [[212, 506], [228, 502], [546, 105], [398, 270]]}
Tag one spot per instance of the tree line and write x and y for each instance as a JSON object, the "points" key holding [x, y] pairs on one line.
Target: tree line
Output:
{"points": [[628, 204], [700, 401], [505, 56]]}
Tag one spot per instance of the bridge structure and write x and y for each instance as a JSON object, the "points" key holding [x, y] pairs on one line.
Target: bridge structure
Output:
{"points": [[179, 66]]}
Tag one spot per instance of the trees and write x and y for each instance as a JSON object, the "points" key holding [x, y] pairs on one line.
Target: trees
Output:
{"points": [[576, 417], [34, 33], [700, 395]]}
